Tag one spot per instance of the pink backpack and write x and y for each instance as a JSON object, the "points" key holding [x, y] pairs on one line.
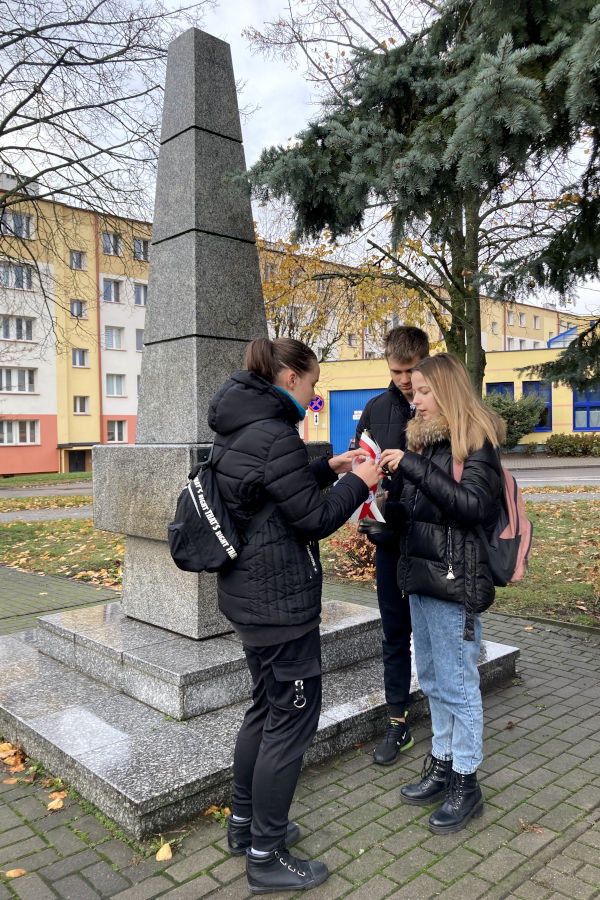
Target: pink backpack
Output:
{"points": [[509, 545]]}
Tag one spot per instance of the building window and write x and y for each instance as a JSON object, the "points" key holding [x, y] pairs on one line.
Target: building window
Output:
{"points": [[17, 224], [370, 354], [510, 344], [112, 291], [536, 322], [544, 391], [352, 340], [586, 410], [111, 243], [139, 339], [522, 320], [79, 358], [23, 328], [19, 431], [140, 249], [81, 405], [6, 327], [16, 275], [522, 344], [79, 309], [494, 328], [77, 259], [21, 381], [503, 388], [140, 294], [510, 317], [113, 338], [537, 345], [115, 385], [116, 431]]}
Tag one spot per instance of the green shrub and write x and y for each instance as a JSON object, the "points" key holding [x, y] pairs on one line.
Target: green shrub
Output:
{"points": [[573, 445], [530, 449], [521, 416]]}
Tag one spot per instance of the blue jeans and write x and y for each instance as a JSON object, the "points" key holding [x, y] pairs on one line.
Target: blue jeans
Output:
{"points": [[448, 675]]}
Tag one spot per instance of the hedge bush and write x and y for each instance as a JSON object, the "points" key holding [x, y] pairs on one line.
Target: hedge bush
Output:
{"points": [[573, 445], [521, 416]]}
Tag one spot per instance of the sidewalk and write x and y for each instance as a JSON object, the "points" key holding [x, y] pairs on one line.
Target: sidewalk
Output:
{"points": [[539, 838]]}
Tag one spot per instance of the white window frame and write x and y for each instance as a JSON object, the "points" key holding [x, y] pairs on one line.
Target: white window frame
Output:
{"points": [[12, 428], [522, 320], [494, 328], [114, 291], [141, 247], [114, 337], [77, 403], [140, 290], [12, 223], [76, 355], [75, 257], [23, 324], [10, 378], [139, 341], [509, 343], [118, 425], [82, 306], [352, 339], [112, 244], [115, 388], [510, 317], [522, 344]]}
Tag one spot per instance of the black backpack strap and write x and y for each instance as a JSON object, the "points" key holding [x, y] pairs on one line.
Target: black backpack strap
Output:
{"points": [[257, 521]]}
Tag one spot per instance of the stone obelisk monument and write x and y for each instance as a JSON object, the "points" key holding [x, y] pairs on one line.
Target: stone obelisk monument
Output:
{"points": [[204, 304]]}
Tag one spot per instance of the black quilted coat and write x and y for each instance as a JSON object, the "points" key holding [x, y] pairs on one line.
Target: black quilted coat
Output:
{"points": [[438, 518], [259, 455]]}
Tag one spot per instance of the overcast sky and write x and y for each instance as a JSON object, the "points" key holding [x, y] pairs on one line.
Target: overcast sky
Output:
{"points": [[283, 96]]}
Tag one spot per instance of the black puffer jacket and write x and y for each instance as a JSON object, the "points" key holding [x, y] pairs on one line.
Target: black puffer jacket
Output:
{"points": [[439, 517], [259, 455]]}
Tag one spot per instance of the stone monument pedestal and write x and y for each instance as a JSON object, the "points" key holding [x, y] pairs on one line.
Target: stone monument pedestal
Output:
{"points": [[142, 722]]}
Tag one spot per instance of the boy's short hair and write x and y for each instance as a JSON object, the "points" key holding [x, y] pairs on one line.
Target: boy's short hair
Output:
{"points": [[405, 342]]}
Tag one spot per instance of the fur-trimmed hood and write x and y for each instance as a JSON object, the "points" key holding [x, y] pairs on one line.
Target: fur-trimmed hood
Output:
{"points": [[422, 432]]}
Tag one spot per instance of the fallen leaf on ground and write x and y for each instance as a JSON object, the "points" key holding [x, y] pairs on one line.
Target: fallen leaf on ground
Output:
{"points": [[57, 795], [164, 853], [510, 724], [15, 873], [55, 804], [9, 781], [47, 782], [529, 628], [20, 767]]}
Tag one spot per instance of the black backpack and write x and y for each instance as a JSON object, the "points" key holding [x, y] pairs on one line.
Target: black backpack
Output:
{"points": [[203, 536]]}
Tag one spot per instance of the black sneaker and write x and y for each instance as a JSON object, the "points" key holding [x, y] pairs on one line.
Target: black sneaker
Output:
{"points": [[280, 871], [397, 738], [239, 838]]}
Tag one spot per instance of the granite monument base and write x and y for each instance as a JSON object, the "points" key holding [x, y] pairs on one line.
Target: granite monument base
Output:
{"points": [[137, 764]]}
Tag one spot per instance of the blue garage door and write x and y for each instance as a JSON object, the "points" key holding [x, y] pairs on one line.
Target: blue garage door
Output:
{"points": [[345, 411]]}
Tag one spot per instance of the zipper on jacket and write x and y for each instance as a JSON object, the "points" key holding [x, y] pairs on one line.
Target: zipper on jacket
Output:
{"points": [[312, 560], [449, 554]]}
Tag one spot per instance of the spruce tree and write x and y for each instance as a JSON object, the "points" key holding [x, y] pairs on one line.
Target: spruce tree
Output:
{"points": [[441, 132]]}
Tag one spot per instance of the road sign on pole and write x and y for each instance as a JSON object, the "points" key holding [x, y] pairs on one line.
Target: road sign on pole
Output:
{"points": [[316, 405]]}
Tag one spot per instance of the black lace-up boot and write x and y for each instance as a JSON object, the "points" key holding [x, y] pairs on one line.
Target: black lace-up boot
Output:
{"points": [[397, 738], [239, 838], [433, 786], [280, 871], [464, 802]]}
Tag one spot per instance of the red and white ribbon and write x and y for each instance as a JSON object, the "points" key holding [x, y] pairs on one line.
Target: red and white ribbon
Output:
{"points": [[369, 508]]}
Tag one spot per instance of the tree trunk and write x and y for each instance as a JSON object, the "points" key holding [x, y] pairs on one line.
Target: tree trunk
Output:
{"points": [[475, 355]]}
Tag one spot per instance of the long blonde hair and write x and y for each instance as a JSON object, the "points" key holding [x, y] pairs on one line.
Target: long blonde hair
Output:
{"points": [[469, 420]]}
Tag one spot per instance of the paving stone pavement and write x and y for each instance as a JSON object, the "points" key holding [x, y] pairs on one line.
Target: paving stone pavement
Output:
{"points": [[539, 837]]}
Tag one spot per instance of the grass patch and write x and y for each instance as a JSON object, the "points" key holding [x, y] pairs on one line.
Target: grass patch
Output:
{"points": [[563, 580], [73, 549], [18, 481], [15, 504]]}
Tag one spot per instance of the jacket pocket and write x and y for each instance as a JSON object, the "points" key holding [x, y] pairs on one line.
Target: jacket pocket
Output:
{"points": [[290, 688]]}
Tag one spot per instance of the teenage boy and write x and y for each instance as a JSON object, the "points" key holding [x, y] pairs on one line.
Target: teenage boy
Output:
{"points": [[385, 417]]}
